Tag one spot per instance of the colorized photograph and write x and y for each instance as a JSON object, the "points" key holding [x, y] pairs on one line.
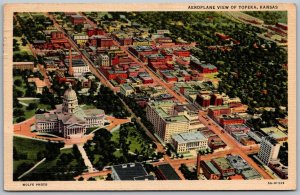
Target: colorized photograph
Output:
{"points": [[109, 96]]}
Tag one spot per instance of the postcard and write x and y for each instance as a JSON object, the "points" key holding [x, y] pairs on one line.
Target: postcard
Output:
{"points": [[117, 97]]}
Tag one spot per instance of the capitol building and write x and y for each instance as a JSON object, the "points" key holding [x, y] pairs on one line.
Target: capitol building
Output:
{"points": [[68, 118]]}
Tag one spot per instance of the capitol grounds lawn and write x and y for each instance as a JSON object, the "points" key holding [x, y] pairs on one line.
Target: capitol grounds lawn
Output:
{"points": [[23, 85], [29, 113], [49, 164], [135, 145], [29, 147], [32, 148], [89, 130]]}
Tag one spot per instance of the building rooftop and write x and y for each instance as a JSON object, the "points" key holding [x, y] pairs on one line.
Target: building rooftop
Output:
{"points": [[209, 66], [76, 16], [168, 172], [131, 171], [223, 163], [219, 107], [251, 174], [38, 82], [179, 118], [189, 137], [238, 162], [127, 87], [17, 63], [212, 167], [75, 62], [235, 127], [274, 132]]}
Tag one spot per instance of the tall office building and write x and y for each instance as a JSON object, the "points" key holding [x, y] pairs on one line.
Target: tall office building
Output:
{"points": [[269, 150], [169, 118]]}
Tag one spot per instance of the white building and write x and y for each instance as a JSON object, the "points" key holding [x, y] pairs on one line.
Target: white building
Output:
{"points": [[103, 60], [80, 39], [79, 68], [68, 118], [188, 141], [269, 150]]}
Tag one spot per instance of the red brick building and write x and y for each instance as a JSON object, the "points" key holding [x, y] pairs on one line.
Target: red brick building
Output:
{"points": [[217, 111], [113, 74], [208, 68], [95, 31], [57, 35], [216, 100], [282, 26], [223, 166], [77, 19], [146, 80], [209, 170], [182, 53], [203, 100], [230, 120]]}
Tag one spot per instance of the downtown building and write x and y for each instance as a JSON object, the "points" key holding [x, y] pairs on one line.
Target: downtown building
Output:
{"points": [[68, 118], [269, 150], [169, 118], [189, 141]]}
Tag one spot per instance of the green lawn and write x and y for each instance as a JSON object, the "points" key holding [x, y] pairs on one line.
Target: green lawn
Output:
{"points": [[89, 130], [29, 113], [23, 48], [118, 153], [28, 146], [88, 106], [135, 140], [49, 164]]}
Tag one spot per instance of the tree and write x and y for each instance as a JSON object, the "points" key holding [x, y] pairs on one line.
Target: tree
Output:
{"points": [[24, 42], [15, 154], [52, 150], [109, 178], [18, 112], [18, 82], [23, 167], [32, 106], [40, 155], [20, 119], [78, 27], [91, 179]]}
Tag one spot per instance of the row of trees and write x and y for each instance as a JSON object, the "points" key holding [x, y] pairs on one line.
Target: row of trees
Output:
{"points": [[189, 175], [137, 109]]}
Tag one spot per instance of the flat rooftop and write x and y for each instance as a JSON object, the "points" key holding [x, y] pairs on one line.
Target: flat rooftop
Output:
{"points": [[274, 132], [187, 137], [223, 163], [131, 171], [168, 172], [212, 167]]}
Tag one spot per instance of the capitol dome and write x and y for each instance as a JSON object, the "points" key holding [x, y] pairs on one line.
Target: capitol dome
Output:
{"points": [[70, 94]]}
